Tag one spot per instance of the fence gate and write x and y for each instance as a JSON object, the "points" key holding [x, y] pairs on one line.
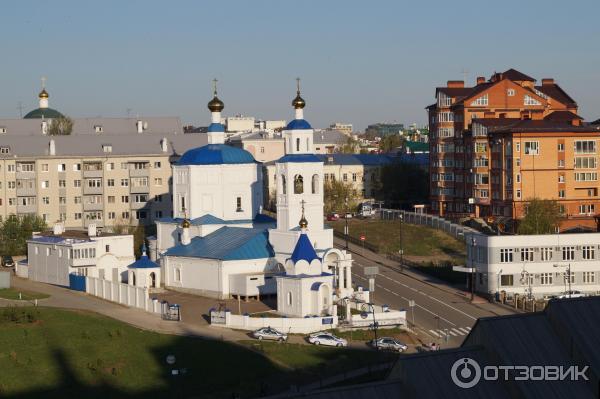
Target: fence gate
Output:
{"points": [[76, 282]]}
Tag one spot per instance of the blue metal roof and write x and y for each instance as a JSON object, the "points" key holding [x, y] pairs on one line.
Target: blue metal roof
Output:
{"points": [[227, 243], [304, 250], [143, 263], [210, 219], [298, 124], [358, 159], [216, 127], [215, 154], [299, 158]]}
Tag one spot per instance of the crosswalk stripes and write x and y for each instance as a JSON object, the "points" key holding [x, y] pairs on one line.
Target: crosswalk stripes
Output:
{"points": [[453, 332]]}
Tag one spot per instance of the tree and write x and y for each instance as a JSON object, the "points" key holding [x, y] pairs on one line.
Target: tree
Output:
{"points": [[404, 183], [351, 146], [16, 230], [61, 126], [339, 197], [123, 226], [390, 143], [541, 217]]}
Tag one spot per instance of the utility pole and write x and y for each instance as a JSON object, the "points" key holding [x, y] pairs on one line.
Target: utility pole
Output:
{"points": [[401, 248], [472, 268]]}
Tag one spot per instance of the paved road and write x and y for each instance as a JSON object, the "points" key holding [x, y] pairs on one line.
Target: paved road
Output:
{"points": [[441, 310]]}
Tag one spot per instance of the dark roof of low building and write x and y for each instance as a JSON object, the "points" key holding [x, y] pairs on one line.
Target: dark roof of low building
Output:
{"points": [[565, 116], [514, 75], [47, 113], [516, 125]]}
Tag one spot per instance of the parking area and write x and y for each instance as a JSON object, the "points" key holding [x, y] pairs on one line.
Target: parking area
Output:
{"points": [[194, 309]]}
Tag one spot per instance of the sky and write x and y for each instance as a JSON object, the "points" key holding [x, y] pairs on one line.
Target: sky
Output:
{"points": [[360, 62]]}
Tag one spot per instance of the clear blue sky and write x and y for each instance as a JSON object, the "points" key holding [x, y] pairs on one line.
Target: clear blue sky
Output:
{"points": [[360, 61]]}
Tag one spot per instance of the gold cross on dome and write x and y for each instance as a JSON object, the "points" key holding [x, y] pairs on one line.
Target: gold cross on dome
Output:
{"points": [[43, 82], [215, 86], [298, 85]]}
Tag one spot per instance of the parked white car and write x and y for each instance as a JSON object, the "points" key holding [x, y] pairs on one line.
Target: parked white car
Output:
{"points": [[572, 294], [387, 343], [269, 333], [327, 339]]}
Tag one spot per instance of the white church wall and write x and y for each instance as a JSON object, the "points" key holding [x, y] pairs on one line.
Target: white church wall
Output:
{"points": [[194, 275], [289, 325], [128, 295], [239, 267]]}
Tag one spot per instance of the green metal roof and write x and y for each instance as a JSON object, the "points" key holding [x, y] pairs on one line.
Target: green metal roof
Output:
{"points": [[47, 113]]}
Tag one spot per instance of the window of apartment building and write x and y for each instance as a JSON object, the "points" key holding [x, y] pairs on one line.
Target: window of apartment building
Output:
{"points": [[125, 215], [445, 117], [481, 147], [157, 165], [139, 182], [585, 162], [589, 252], [94, 199], [158, 181], [568, 253], [585, 146], [589, 277], [110, 182], [345, 177], [587, 176], [158, 198], [517, 147], [140, 198], [124, 182], [506, 280], [483, 100], [518, 178], [517, 162], [46, 184], [4, 150], [561, 163], [592, 192], [445, 132], [353, 176], [444, 100], [518, 194], [569, 276], [546, 278], [140, 215], [12, 201], [158, 214], [110, 165], [11, 185], [76, 167], [77, 200], [561, 193], [94, 183], [44, 167], [238, 204], [11, 168], [561, 178], [532, 148], [26, 167], [76, 183], [46, 200], [124, 165], [62, 183], [111, 215], [546, 253], [62, 167], [62, 216], [586, 209], [482, 178], [483, 194], [510, 92], [107, 148], [140, 165], [125, 199], [528, 100], [561, 147], [506, 255], [26, 201], [111, 199], [62, 200], [526, 254]]}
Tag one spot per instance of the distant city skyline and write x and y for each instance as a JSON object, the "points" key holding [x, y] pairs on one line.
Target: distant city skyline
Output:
{"points": [[360, 63]]}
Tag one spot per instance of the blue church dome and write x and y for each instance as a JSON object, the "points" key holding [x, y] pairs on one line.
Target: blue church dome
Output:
{"points": [[216, 127], [215, 154], [304, 250], [298, 124]]}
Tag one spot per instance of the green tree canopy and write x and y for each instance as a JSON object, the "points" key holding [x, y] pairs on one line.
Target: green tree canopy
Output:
{"points": [[340, 197], [60, 126], [16, 230], [351, 146], [541, 217], [390, 143]]}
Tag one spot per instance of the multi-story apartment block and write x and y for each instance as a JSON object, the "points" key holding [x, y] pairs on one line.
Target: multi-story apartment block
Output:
{"points": [[107, 171], [496, 145]]}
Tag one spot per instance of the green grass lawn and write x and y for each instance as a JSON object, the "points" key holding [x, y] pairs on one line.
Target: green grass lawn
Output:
{"points": [[12, 293], [54, 353], [420, 241]]}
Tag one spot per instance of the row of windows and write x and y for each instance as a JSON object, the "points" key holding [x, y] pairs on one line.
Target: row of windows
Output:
{"points": [[62, 167], [566, 253], [92, 199], [508, 280]]}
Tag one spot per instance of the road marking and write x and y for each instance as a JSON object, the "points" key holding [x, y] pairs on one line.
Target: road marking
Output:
{"points": [[435, 333], [425, 294], [457, 331], [463, 329]]}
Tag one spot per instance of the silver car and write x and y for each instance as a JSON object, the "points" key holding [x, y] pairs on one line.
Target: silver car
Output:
{"points": [[390, 344], [327, 339], [269, 333]]}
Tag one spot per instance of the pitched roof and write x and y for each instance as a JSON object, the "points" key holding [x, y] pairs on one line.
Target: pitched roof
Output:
{"points": [[556, 92], [143, 263], [562, 116], [216, 154], [304, 250], [516, 125], [227, 243], [514, 75], [299, 158]]}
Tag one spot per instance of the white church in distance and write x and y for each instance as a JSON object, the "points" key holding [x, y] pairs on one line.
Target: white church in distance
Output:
{"points": [[218, 244]]}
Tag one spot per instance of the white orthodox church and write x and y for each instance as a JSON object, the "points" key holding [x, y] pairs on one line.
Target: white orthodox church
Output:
{"points": [[218, 244]]}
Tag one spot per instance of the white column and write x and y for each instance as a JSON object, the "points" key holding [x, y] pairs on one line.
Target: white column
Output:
{"points": [[299, 113], [348, 277], [215, 117]]}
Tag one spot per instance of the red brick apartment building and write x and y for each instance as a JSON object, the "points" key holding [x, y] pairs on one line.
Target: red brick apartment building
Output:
{"points": [[506, 140]]}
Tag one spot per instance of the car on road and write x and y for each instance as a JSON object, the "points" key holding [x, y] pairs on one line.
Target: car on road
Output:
{"points": [[387, 343], [571, 294], [328, 340], [7, 261], [269, 333], [332, 217], [320, 333], [348, 216]]}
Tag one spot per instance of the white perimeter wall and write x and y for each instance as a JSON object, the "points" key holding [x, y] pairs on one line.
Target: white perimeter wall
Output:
{"points": [[283, 324]]}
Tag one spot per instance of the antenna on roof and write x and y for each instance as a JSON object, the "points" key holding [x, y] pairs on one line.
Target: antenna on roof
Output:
{"points": [[465, 73]]}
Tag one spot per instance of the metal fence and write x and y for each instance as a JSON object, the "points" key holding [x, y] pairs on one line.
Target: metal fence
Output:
{"points": [[436, 222]]}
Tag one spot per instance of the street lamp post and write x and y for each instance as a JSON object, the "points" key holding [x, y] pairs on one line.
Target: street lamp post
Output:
{"points": [[401, 248], [567, 278], [368, 307], [473, 242], [346, 219]]}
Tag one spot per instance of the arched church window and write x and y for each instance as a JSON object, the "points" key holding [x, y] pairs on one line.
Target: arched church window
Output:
{"points": [[315, 184], [307, 144], [283, 184], [298, 144], [298, 184], [289, 299], [133, 278]]}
